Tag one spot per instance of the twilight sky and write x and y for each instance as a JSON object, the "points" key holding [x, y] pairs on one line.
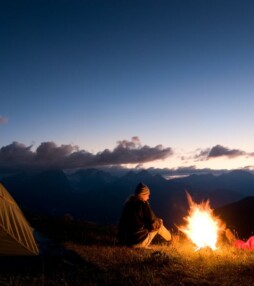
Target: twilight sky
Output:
{"points": [[161, 84]]}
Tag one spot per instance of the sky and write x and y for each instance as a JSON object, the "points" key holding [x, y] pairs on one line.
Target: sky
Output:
{"points": [[131, 84]]}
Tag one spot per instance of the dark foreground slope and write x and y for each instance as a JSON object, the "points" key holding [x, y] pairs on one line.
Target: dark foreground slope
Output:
{"points": [[92, 257]]}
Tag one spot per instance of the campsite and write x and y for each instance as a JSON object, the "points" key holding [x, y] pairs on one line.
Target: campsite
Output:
{"points": [[64, 250], [101, 96]]}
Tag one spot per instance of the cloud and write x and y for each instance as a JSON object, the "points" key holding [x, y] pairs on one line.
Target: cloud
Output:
{"points": [[132, 152], [219, 151], [167, 173], [185, 171], [3, 120], [49, 155]]}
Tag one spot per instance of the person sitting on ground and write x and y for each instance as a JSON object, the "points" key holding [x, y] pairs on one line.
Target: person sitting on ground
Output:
{"points": [[138, 224]]}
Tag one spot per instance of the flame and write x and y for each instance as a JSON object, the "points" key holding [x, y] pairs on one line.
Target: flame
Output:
{"points": [[202, 227]]}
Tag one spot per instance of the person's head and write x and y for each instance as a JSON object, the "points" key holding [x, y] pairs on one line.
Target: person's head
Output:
{"points": [[142, 192]]}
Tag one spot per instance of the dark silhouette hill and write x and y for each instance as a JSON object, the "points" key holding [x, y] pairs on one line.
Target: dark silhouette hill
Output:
{"points": [[42, 192], [237, 182], [239, 216], [97, 196], [90, 179]]}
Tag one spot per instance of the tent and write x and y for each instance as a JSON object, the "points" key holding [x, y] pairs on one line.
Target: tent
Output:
{"points": [[16, 235]]}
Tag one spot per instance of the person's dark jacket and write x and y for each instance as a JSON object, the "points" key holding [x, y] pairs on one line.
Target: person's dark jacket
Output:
{"points": [[136, 222]]}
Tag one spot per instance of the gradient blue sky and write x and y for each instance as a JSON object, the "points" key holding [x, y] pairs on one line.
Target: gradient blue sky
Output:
{"points": [[92, 73]]}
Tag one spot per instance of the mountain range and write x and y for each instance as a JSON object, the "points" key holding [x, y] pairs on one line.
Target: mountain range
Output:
{"points": [[98, 196]]}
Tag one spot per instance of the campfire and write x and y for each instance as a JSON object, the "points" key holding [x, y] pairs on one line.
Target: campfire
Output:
{"points": [[202, 226]]}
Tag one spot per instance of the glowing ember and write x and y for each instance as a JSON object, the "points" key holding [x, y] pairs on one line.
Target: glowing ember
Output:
{"points": [[202, 227]]}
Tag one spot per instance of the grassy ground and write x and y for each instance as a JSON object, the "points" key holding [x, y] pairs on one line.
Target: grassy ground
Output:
{"points": [[94, 258], [178, 264]]}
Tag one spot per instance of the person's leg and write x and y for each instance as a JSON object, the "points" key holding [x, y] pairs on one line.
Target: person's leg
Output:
{"points": [[163, 232], [146, 242]]}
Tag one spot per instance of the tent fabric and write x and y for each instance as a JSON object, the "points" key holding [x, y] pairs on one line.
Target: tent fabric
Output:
{"points": [[16, 235]]}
